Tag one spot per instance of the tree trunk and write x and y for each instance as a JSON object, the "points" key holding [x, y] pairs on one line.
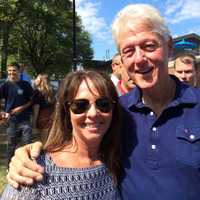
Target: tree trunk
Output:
{"points": [[4, 55]]}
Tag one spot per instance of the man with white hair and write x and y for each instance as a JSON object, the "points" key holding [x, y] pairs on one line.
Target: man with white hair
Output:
{"points": [[161, 130]]}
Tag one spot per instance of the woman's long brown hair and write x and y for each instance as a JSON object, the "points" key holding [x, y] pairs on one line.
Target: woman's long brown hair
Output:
{"points": [[45, 88], [61, 130]]}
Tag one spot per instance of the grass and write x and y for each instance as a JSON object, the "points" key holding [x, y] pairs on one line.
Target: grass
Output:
{"points": [[3, 180]]}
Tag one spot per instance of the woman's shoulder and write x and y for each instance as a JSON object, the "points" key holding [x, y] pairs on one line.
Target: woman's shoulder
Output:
{"points": [[51, 169], [94, 181], [48, 163]]}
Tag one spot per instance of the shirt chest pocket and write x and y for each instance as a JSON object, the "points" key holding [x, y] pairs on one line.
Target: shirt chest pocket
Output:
{"points": [[188, 145]]}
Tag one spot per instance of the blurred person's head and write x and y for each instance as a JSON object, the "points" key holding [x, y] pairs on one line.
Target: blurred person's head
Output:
{"points": [[126, 81], [144, 43], [185, 69], [13, 71], [116, 65], [41, 80], [42, 83]]}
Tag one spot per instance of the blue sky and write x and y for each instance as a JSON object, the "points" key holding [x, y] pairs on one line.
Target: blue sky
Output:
{"points": [[182, 16]]}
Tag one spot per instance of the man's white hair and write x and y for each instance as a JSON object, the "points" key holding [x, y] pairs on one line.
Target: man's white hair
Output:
{"points": [[136, 14]]}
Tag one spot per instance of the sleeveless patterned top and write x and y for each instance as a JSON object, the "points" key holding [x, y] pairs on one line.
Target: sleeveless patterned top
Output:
{"points": [[61, 183]]}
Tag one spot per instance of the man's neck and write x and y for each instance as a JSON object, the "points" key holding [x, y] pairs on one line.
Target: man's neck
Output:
{"points": [[14, 81], [159, 98]]}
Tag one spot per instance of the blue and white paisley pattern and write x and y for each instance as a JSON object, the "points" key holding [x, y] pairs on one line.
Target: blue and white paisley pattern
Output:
{"points": [[61, 183]]}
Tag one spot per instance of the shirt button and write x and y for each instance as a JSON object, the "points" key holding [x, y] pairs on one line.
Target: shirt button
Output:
{"points": [[151, 113], [192, 137], [153, 146], [154, 129]]}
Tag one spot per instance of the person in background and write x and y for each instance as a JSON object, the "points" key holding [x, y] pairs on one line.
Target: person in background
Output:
{"points": [[116, 66], [123, 82], [81, 156], [43, 101], [185, 68], [24, 76], [126, 84], [161, 130], [17, 111]]}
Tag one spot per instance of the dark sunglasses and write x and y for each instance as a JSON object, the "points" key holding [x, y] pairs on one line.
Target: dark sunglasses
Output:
{"points": [[79, 106]]}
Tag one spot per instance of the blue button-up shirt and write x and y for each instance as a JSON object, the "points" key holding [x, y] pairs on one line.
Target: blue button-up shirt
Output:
{"points": [[161, 155]]}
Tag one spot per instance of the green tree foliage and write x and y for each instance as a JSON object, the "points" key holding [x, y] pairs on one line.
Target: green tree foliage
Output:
{"points": [[42, 36], [9, 12]]}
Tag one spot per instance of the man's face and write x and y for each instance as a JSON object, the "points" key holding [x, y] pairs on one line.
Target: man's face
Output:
{"points": [[116, 64], [13, 73], [127, 81], [185, 72], [145, 56]]}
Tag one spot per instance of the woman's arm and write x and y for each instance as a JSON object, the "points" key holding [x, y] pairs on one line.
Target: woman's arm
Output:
{"points": [[36, 109], [23, 169]]}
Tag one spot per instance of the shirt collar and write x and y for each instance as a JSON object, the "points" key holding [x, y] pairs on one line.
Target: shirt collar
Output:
{"points": [[184, 95]]}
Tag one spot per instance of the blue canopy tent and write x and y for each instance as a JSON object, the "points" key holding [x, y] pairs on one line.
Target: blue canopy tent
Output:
{"points": [[183, 44]]}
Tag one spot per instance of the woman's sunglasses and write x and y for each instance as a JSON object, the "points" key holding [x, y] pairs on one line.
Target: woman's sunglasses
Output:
{"points": [[79, 106]]}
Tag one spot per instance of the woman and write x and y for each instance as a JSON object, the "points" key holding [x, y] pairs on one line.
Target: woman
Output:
{"points": [[82, 152], [43, 100]]}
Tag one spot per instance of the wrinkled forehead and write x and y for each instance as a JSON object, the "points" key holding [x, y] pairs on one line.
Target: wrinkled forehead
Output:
{"points": [[184, 64], [131, 38], [134, 29]]}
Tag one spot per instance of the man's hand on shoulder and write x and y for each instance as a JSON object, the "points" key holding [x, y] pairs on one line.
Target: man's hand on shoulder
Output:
{"points": [[4, 117], [23, 169]]}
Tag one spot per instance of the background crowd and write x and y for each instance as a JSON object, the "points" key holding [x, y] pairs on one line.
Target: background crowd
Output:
{"points": [[28, 104]]}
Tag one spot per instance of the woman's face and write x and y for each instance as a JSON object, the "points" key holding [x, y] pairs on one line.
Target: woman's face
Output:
{"points": [[37, 81], [92, 124]]}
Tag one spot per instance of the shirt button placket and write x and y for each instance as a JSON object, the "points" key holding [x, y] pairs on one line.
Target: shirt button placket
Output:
{"points": [[153, 146], [153, 151]]}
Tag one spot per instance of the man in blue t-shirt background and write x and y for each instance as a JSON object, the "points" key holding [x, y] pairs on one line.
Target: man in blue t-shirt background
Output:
{"points": [[24, 76], [17, 109]]}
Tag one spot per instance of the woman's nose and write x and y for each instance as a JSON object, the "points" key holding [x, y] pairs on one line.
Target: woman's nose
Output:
{"points": [[92, 111]]}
